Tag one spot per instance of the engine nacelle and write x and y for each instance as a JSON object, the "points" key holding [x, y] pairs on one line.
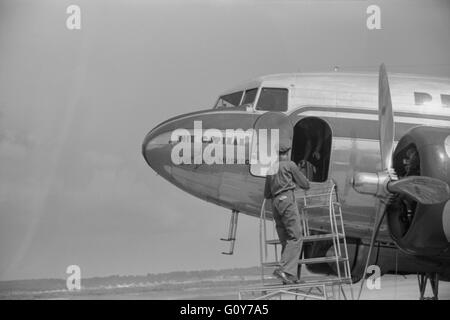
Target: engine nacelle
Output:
{"points": [[418, 229]]}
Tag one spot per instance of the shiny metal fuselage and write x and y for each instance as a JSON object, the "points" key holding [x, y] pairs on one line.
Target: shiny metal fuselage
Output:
{"points": [[355, 147]]}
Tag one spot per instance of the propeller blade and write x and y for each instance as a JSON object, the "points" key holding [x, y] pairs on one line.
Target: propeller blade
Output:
{"points": [[385, 118], [422, 189]]}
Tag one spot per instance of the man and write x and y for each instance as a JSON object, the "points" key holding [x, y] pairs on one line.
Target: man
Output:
{"points": [[279, 188]]}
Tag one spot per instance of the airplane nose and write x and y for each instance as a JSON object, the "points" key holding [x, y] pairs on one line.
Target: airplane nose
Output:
{"points": [[146, 146], [156, 150]]}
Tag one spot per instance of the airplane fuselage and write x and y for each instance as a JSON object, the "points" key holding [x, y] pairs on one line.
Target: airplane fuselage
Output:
{"points": [[346, 103]]}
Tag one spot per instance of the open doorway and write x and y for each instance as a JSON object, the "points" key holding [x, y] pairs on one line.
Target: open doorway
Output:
{"points": [[311, 148]]}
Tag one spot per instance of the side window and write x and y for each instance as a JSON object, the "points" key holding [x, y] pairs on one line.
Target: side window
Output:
{"points": [[229, 100], [273, 99], [249, 96]]}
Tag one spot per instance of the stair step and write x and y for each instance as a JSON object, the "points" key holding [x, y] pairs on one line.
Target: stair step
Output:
{"points": [[308, 261], [326, 205], [314, 280], [315, 237], [316, 206], [321, 260]]}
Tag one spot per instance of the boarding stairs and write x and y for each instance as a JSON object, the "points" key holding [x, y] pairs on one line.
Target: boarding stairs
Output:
{"points": [[322, 220]]}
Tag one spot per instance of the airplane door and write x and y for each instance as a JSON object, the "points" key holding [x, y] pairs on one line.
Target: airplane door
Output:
{"points": [[270, 129]]}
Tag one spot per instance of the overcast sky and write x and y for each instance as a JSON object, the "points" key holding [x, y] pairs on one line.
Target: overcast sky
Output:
{"points": [[75, 106]]}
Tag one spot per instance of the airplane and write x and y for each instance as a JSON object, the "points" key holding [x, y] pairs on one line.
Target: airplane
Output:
{"points": [[388, 154]]}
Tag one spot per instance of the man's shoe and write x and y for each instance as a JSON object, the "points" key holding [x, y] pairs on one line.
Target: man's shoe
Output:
{"points": [[293, 279], [282, 276]]}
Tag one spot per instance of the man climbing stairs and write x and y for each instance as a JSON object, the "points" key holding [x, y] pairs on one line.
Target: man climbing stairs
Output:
{"points": [[319, 203]]}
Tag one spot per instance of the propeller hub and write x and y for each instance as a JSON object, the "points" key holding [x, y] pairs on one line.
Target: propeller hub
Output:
{"points": [[372, 183]]}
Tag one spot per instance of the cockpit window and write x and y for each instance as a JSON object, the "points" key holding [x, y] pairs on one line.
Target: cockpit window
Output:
{"points": [[229, 100], [249, 96], [273, 99]]}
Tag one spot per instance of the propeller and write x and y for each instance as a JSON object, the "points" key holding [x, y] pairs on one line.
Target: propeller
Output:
{"points": [[425, 190], [385, 119], [385, 184]]}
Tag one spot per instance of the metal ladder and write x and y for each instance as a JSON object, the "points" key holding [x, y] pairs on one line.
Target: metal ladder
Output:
{"points": [[317, 205]]}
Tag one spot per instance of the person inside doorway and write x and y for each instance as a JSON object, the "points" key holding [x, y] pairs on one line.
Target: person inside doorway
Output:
{"points": [[314, 150]]}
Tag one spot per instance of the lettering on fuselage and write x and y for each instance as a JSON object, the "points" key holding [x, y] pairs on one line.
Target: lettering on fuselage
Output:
{"points": [[424, 98]]}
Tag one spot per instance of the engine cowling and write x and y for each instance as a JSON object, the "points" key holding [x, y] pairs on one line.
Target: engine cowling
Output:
{"points": [[419, 229]]}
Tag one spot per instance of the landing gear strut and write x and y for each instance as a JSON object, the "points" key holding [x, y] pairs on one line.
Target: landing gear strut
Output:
{"points": [[422, 278], [231, 232]]}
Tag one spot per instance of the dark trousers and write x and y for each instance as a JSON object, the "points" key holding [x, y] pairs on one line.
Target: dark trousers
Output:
{"points": [[289, 229]]}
